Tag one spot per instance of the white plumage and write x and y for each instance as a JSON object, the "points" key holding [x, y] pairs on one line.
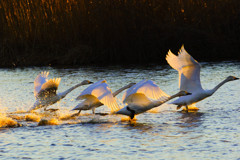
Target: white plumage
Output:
{"points": [[144, 96], [45, 90], [143, 92], [189, 79], [141, 97], [96, 95]]}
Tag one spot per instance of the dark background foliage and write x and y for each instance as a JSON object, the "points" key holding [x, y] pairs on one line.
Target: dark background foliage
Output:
{"points": [[106, 32]]}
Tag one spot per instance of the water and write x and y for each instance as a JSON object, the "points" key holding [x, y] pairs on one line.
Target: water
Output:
{"points": [[211, 133]]}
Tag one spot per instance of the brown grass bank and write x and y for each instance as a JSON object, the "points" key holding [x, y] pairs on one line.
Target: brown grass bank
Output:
{"points": [[90, 32]]}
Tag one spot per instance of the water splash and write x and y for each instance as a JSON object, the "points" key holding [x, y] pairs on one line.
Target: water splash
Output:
{"points": [[6, 121], [32, 117], [52, 121]]}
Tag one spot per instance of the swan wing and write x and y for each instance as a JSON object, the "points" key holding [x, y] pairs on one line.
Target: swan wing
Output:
{"points": [[103, 93], [129, 91], [39, 81], [138, 99], [149, 89], [49, 88], [89, 89], [87, 103], [188, 69]]}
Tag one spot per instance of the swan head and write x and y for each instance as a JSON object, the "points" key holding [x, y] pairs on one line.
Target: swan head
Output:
{"points": [[131, 84], [231, 78], [85, 82], [104, 81], [183, 93]]}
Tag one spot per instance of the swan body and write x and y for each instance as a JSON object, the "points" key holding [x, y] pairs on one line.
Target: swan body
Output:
{"points": [[135, 108], [99, 94], [45, 91], [189, 79], [141, 97], [192, 99]]}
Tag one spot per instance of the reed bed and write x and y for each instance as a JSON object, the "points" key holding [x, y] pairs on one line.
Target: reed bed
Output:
{"points": [[91, 32]]}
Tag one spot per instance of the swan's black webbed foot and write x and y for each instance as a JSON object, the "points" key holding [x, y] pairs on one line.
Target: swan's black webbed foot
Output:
{"points": [[132, 116], [186, 108], [178, 107], [51, 110], [102, 114], [76, 114], [132, 113]]}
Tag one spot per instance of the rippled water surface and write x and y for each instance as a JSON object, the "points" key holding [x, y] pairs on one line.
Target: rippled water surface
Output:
{"points": [[211, 133]]}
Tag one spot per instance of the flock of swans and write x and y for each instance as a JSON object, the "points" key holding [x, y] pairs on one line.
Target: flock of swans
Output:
{"points": [[138, 97]]}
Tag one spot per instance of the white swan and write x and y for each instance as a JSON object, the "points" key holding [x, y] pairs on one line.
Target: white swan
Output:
{"points": [[98, 94], [189, 79], [142, 97], [139, 102], [45, 91]]}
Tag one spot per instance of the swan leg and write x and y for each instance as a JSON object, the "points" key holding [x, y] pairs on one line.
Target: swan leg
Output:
{"points": [[76, 114], [132, 115], [186, 108], [178, 107], [51, 109], [132, 112], [93, 110]]}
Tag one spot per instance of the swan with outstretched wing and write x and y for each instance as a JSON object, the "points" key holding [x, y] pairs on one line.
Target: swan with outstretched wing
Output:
{"points": [[189, 79], [45, 91], [144, 96], [98, 94]]}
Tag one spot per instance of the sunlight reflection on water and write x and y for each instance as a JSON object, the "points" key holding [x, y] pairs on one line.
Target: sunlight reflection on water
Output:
{"points": [[210, 133]]}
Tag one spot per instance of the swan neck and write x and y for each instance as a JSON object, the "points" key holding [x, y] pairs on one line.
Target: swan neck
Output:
{"points": [[218, 86], [120, 90], [63, 94], [158, 103]]}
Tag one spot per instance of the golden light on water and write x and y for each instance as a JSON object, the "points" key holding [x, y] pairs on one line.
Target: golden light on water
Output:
{"points": [[6, 121], [127, 119], [33, 118], [52, 121]]}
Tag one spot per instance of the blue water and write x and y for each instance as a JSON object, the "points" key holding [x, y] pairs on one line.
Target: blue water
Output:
{"points": [[211, 133]]}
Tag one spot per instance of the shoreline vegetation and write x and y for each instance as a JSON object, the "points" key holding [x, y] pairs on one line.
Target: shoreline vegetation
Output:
{"points": [[106, 32]]}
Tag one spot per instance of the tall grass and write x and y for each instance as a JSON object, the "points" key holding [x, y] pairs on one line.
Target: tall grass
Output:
{"points": [[78, 32]]}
